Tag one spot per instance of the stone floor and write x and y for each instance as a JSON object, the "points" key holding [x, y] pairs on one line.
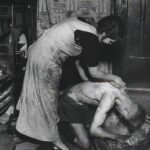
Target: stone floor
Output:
{"points": [[26, 146]]}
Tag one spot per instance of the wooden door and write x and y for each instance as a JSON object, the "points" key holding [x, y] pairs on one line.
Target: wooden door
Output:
{"points": [[136, 56]]}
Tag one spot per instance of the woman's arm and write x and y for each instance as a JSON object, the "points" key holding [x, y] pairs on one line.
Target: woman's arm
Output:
{"points": [[106, 77], [81, 71], [98, 75]]}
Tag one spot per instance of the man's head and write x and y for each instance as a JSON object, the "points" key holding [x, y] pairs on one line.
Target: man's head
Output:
{"points": [[137, 118], [110, 29]]}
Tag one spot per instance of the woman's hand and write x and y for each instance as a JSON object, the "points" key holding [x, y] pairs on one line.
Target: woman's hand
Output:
{"points": [[117, 82]]}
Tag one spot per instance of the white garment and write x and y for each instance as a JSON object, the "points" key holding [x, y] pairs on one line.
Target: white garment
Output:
{"points": [[38, 116]]}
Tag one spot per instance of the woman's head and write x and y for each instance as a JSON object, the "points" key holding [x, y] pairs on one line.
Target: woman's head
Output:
{"points": [[110, 29]]}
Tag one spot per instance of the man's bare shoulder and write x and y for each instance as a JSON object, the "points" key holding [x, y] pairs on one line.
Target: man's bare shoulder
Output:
{"points": [[83, 90], [88, 85], [88, 89]]}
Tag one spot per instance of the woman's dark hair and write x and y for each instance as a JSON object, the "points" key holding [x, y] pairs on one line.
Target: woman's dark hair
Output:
{"points": [[112, 26]]}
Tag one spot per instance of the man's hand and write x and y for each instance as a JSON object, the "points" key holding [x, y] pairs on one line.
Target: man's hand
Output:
{"points": [[121, 138], [147, 119], [136, 137], [132, 140]]}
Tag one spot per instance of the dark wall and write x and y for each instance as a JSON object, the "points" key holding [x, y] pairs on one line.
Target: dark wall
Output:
{"points": [[136, 59]]}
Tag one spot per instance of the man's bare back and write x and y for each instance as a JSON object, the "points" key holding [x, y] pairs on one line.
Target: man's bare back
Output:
{"points": [[92, 93]]}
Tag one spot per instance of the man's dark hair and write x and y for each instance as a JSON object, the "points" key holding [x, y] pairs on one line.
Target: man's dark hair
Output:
{"points": [[112, 26], [138, 119]]}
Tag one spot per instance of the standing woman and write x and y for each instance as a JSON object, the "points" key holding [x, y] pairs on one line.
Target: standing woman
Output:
{"points": [[37, 104]]}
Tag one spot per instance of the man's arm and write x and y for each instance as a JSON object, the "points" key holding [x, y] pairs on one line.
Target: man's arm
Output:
{"points": [[140, 134], [96, 130]]}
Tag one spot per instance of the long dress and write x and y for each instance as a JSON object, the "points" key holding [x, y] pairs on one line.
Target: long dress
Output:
{"points": [[38, 101]]}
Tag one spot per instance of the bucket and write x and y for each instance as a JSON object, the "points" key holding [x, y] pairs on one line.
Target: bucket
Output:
{"points": [[113, 145]]}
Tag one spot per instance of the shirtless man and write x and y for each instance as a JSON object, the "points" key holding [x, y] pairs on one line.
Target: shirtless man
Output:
{"points": [[94, 105]]}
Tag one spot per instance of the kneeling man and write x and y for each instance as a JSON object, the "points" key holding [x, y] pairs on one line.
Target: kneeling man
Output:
{"points": [[107, 113]]}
